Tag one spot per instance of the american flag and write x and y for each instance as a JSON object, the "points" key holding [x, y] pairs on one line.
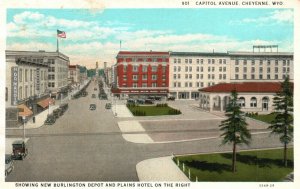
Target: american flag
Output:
{"points": [[61, 34]]}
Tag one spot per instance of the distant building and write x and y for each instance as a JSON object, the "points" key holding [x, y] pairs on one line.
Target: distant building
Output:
{"points": [[74, 74], [142, 73]]}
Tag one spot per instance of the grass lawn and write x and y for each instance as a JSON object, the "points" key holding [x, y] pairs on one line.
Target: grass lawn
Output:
{"points": [[264, 165], [152, 110], [268, 118]]}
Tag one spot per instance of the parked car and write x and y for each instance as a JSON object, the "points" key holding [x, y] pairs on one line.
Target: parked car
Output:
{"points": [[171, 98], [151, 97], [92, 106], [140, 101], [9, 164], [130, 101], [93, 96], [20, 150], [157, 97], [149, 101], [108, 106]]}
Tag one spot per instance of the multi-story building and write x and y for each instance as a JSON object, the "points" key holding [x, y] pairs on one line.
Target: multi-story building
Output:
{"points": [[142, 73], [190, 71], [74, 74], [26, 84]]}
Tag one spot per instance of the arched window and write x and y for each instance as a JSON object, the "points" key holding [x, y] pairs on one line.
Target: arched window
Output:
{"points": [[253, 102], [241, 102], [265, 103]]}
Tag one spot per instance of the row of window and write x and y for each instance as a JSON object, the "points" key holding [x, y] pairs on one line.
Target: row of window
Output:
{"points": [[29, 75], [144, 77], [29, 91], [144, 85], [261, 62], [199, 76], [190, 84], [198, 69], [135, 68], [284, 69], [260, 76], [200, 61]]}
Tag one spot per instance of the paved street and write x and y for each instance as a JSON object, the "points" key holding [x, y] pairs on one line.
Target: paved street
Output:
{"points": [[86, 145]]}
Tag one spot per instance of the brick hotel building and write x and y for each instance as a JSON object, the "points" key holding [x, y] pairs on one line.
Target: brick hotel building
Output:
{"points": [[142, 73]]}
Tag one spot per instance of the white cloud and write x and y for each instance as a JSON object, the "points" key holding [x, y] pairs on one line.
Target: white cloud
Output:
{"points": [[275, 17]]}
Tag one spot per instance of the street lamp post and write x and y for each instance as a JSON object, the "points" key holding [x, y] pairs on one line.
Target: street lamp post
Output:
{"points": [[23, 118], [49, 104]]}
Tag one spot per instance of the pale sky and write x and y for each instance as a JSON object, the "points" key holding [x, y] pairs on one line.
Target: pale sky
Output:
{"points": [[95, 35]]}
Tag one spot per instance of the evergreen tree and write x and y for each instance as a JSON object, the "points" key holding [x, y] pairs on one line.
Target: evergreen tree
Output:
{"points": [[235, 127], [283, 122]]}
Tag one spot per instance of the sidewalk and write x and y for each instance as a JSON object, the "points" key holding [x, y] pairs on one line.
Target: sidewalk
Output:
{"points": [[41, 117], [161, 169]]}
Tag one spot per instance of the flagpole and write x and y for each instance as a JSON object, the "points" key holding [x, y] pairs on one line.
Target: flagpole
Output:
{"points": [[57, 50]]}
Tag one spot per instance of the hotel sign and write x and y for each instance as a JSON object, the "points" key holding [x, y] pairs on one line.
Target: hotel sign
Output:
{"points": [[14, 86], [38, 79]]}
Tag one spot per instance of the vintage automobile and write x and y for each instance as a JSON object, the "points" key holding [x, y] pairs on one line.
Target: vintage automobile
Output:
{"points": [[171, 98], [20, 150], [149, 101], [9, 164], [92, 106], [108, 106], [131, 101]]}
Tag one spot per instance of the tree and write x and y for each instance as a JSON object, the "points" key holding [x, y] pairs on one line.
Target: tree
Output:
{"points": [[235, 127], [283, 122]]}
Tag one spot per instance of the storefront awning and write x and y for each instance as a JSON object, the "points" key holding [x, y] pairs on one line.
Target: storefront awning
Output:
{"points": [[24, 110], [45, 103]]}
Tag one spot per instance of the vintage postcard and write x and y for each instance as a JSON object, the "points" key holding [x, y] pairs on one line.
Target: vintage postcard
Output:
{"points": [[153, 94]]}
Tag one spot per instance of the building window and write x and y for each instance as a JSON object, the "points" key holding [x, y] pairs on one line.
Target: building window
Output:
{"points": [[224, 76], [175, 60], [260, 76], [153, 85], [284, 62], [224, 69], [260, 62], [198, 69], [261, 70], [124, 77], [20, 93], [154, 68], [197, 76], [220, 61], [252, 62], [276, 69], [245, 62], [186, 84], [208, 61], [245, 69], [288, 70], [252, 76], [190, 61], [124, 68], [179, 68], [134, 77], [236, 69], [220, 76], [179, 60], [245, 76], [276, 62], [179, 84], [252, 69], [241, 102], [190, 68], [208, 69], [134, 85], [6, 94], [269, 63], [283, 69], [201, 61], [220, 69], [175, 69], [145, 76], [276, 76], [186, 69], [144, 85], [213, 61], [191, 84], [164, 69], [197, 61], [236, 76], [186, 61], [268, 76], [174, 76], [190, 76], [224, 61], [26, 76], [186, 76], [201, 69], [154, 77], [236, 62], [253, 102], [201, 76], [212, 76], [20, 75], [135, 68], [178, 76], [213, 69], [208, 76], [144, 68]]}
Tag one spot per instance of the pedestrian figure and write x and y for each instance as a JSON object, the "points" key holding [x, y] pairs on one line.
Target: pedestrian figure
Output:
{"points": [[33, 119]]}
